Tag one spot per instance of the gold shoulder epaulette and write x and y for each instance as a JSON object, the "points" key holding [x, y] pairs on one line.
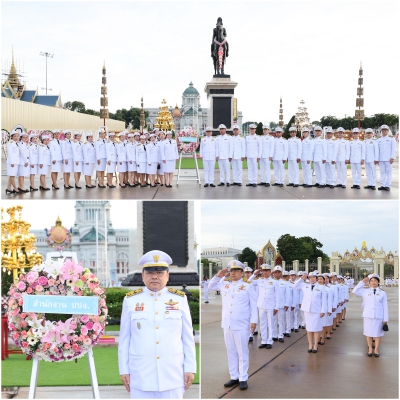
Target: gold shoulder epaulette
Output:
{"points": [[177, 292], [246, 280], [228, 279], [134, 292]]}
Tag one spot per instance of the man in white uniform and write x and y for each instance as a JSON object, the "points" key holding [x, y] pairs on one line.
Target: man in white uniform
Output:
{"points": [[294, 155], [238, 155], [223, 156], [208, 154], [56, 158], [319, 157], [284, 302], [239, 312], [371, 148], [279, 157], [357, 154], [385, 157], [343, 154], [267, 151], [156, 352], [307, 151], [331, 154], [253, 154]]}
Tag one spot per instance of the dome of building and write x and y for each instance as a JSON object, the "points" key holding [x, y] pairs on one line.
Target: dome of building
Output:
{"points": [[191, 91], [176, 113]]}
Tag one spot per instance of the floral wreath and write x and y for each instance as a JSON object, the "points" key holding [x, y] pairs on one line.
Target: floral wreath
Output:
{"points": [[66, 337], [184, 147], [58, 246], [5, 136]]}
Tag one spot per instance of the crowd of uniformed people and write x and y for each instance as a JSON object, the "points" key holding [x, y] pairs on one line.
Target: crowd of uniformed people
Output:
{"points": [[276, 303], [330, 157], [140, 160]]}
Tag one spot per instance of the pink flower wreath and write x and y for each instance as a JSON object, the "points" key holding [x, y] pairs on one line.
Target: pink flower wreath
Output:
{"points": [[56, 341]]}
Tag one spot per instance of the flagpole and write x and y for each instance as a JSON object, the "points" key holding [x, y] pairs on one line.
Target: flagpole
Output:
{"points": [[97, 243]]}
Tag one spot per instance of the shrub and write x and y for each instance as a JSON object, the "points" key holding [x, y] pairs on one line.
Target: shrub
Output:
{"points": [[194, 311]]}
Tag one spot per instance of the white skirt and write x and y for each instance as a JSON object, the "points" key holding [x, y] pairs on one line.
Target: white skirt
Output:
{"points": [[169, 166], [111, 167], [79, 167], [314, 323], [24, 171], [102, 166], [152, 169], [327, 320], [12, 171], [33, 170], [121, 165], [131, 167], [68, 168], [88, 169], [373, 327], [44, 170], [56, 167], [141, 169]]}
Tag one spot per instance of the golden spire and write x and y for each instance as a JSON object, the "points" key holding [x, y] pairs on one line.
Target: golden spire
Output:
{"points": [[58, 221], [12, 78]]}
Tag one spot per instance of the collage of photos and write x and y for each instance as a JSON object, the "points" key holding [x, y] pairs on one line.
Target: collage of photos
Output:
{"points": [[164, 232]]}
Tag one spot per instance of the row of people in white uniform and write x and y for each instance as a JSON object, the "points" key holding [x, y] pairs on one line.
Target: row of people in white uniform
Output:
{"points": [[132, 156], [326, 154], [391, 282]]}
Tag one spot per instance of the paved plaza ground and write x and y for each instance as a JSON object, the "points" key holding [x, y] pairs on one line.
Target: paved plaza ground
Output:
{"points": [[190, 190], [340, 369]]}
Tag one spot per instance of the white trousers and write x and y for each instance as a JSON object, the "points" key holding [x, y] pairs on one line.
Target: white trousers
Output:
{"points": [[356, 173], [307, 174], [252, 170], [279, 324], [265, 169], [279, 171], [206, 295], [289, 320], [320, 172], [237, 166], [224, 171], [165, 394], [370, 170], [209, 168], [266, 323], [236, 343], [341, 178], [293, 172], [330, 173], [302, 318], [296, 317], [385, 169]]}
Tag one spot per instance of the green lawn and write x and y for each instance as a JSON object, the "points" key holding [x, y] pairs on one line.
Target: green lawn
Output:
{"points": [[196, 327], [188, 163], [16, 371]]}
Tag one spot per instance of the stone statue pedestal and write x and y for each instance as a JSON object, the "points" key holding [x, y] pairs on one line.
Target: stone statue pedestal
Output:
{"points": [[220, 91]]}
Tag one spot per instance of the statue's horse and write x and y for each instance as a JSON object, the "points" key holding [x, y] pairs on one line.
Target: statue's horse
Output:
{"points": [[219, 50]]}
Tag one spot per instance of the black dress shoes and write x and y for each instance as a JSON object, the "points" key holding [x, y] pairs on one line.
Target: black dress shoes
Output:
{"points": [[295, 185], [267, 185], [281, 185], [249, 184], [281, 340], [255, 333], [234, 184], [254, 184], [262, 346], [275, 184], [250, 339], [343, 186], [231, 383], [206, 185], [290, 184], [243, 384], [367, 187], [221, 184], [372, 187], [228, 184], [274, 339], [239, 184], [269, 346], [212, 185]]}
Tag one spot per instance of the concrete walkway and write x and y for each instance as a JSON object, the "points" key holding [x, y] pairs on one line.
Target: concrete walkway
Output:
{"points": [[340, 369], [190, 190], [85, 392]]}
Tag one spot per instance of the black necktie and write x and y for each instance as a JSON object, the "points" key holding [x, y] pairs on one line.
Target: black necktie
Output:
{"points": [[58, 141], [144, 147], [104, 141], [113, 144], [48, 147], [69, 141], [312, 287], [170, 141], [374, 291], [92, 145]]}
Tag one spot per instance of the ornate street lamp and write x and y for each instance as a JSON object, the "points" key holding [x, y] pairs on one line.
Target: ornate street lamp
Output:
{"points": [[17, 244]]}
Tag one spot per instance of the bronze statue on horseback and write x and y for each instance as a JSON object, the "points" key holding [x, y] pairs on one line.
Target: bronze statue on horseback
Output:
{"points": [[219, 48]]}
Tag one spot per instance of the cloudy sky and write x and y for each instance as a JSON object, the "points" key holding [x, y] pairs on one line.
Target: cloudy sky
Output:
{"points": [[295, 49], [339, 225]]}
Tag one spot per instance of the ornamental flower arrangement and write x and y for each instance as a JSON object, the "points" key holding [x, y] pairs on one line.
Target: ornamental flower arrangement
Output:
{"points": [[48, 133], [50, 337], [187, 148], [61, 233], [5, 136]]}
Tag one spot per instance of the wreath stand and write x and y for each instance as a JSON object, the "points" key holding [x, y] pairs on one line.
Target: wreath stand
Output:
{"points": [[190, 177], [92, 370]]}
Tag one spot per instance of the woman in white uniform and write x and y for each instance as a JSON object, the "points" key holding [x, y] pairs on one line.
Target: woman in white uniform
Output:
{"points": [[153, 159], [68, 158], [160, 172], [44, 161], [77, 151], [101, 157], [323, 279], [121, 159], [131, 159], [24, 167], [141, 160], [314, 305], [89, 159], [13, 160], [56, 158], [33, 160], [375, 310], [111, 154], [206, 281], [169, 156]]}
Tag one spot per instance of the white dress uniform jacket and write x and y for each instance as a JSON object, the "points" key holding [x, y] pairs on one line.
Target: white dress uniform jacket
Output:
{"points": [[208, 148], [89, 153], [238, 147], [55, 150], [294, 148], [33, 154], [343, 151], [169, 150], [267, 293], [319, 149], [23, 159], [66, 150], [44, 158], [314, 301], [357, 151], [101, 149], [386, 148], [77, 151], [111, 151], [156, 345], [223, 147], [267, 146], [12, 153], [375, 306]]}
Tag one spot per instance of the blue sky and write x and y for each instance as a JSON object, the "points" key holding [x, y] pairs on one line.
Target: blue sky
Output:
{"points": [[339, 225], [298, 50]]}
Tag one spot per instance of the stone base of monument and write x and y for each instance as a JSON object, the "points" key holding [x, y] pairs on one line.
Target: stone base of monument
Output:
{"points": [[220, 91], [175, 279]]}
